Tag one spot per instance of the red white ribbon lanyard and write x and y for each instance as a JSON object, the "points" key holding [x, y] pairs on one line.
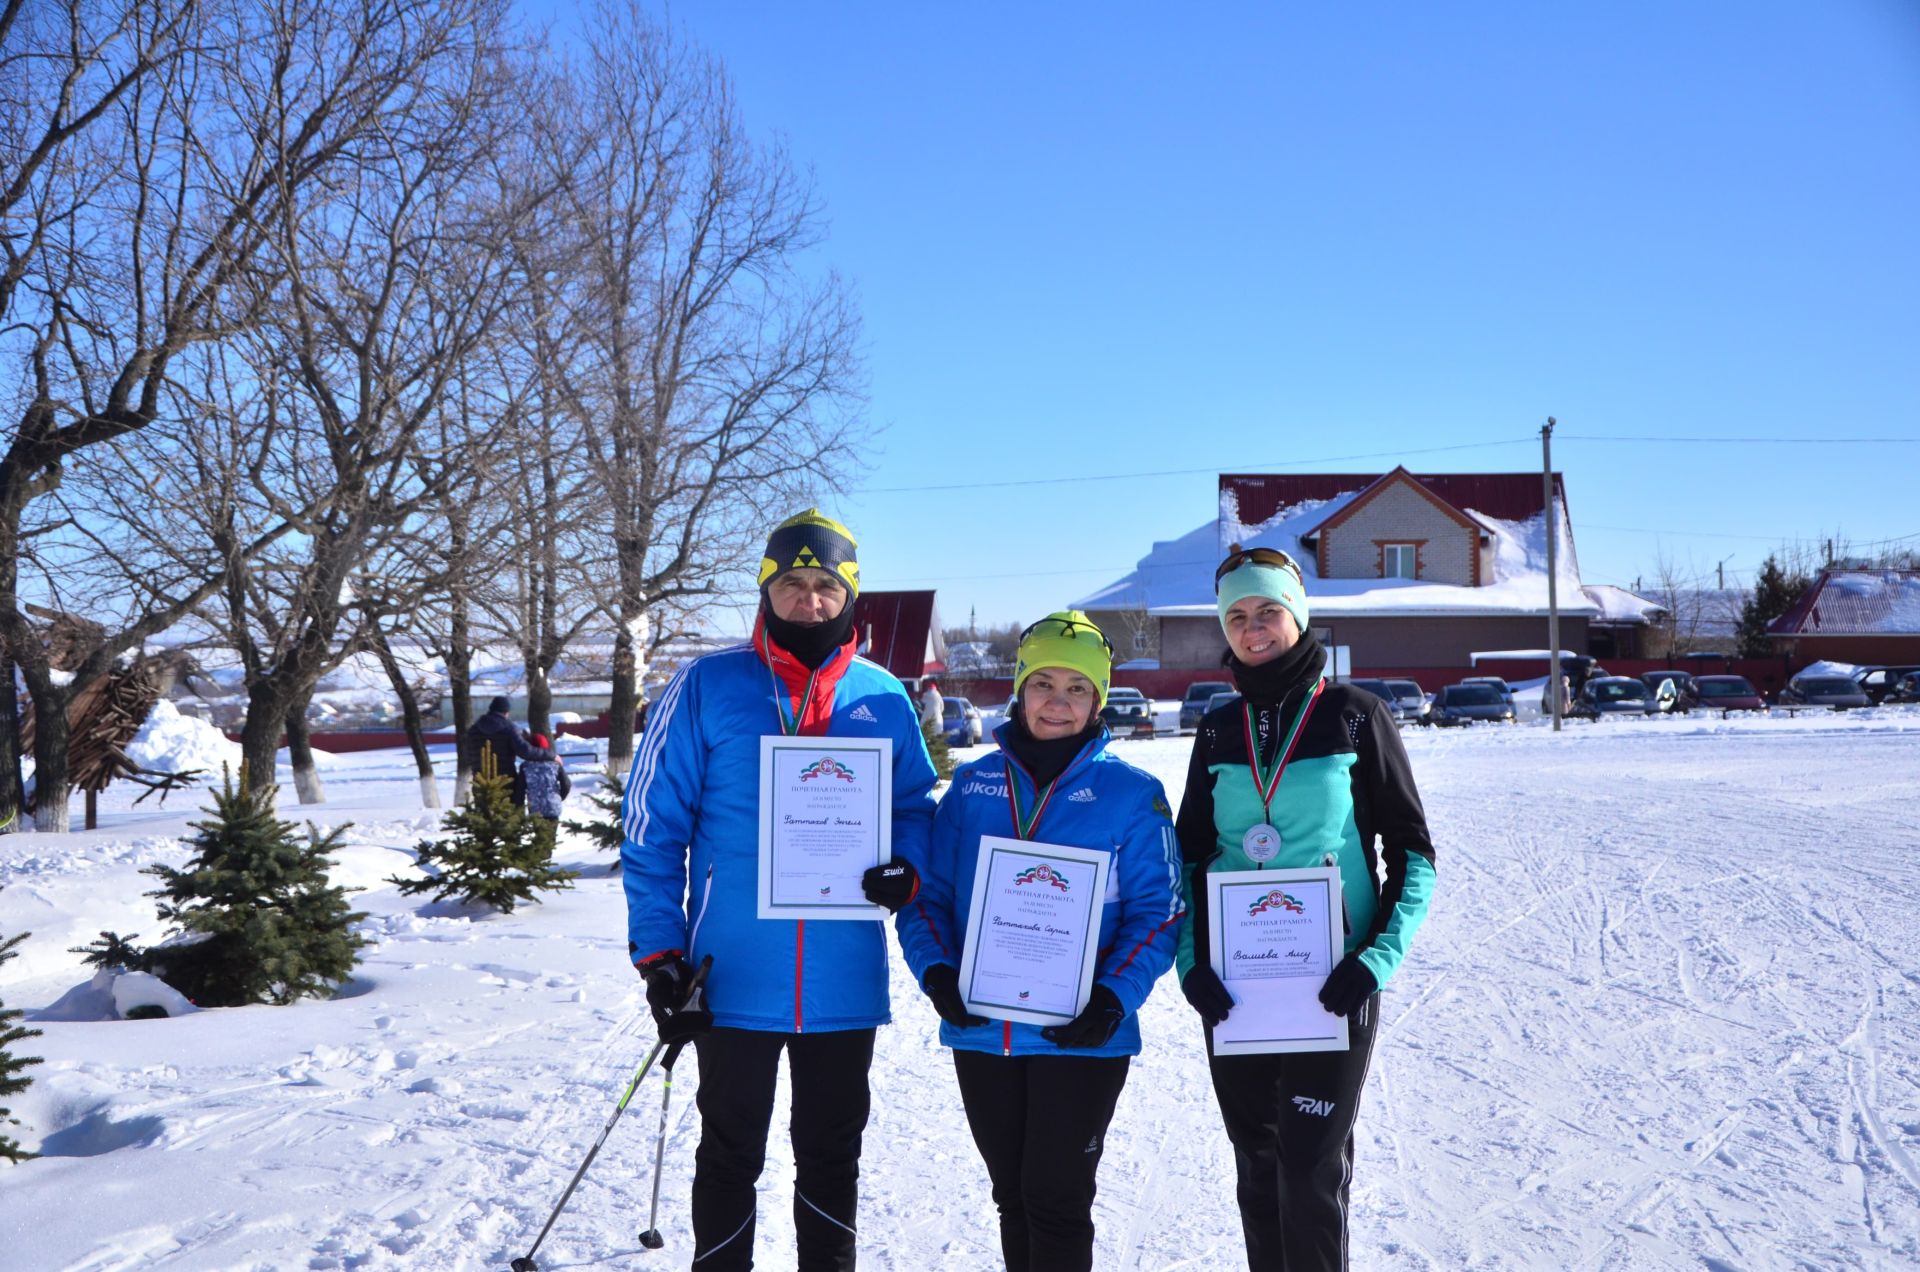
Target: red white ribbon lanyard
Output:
{"points": [[1262, 786], [780, 695]]}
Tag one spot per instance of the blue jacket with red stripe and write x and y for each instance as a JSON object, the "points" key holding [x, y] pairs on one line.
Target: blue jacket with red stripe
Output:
{"points": [[691, 815], [1099, 801]]}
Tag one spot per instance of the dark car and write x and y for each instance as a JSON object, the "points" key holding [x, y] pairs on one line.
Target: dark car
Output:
{"points": [[1499, 684], [1685, 695], [1194, 705], [1615, 695], [1879, 682], [960, 722], [1468, 702], [1837, 692], [1729, 693], [1128, 713]]}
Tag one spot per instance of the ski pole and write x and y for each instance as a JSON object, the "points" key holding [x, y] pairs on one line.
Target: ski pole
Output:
{"points": [[651, 1238], [525, 1262]]}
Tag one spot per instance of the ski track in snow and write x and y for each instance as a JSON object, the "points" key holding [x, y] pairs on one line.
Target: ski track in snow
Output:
{"points": [[1663, 1016]]}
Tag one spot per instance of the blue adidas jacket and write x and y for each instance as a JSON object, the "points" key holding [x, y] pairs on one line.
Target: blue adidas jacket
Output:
{"points": [[1100, 801], [690, 814]]}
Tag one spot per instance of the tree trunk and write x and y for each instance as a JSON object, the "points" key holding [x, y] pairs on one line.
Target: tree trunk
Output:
{"points": [[267, 704], [410, 715], [12, 786], [539, 701], [52, 791], [306, 777], [629, 668]]}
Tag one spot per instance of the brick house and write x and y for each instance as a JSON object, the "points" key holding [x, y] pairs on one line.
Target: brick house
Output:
{"points": [[1863, 616], [1405, 571]]}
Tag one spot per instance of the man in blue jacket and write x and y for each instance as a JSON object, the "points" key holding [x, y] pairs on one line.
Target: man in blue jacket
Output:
{"points": [[817, 993]]}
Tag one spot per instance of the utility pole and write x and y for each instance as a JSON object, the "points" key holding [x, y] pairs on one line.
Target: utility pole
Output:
{"points": [[1553, 587]]}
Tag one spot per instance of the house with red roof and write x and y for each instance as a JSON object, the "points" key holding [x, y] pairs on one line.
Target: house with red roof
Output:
{"points": [[1850, 615], [1404, 570]]}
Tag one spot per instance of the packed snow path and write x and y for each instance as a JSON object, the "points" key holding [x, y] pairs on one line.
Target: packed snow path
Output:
{"points": [[1663, 1016]]}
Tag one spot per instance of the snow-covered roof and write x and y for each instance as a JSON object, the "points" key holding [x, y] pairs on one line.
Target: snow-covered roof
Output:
{"points": [[1855, 603], [1617, 605], [1175, 579]]}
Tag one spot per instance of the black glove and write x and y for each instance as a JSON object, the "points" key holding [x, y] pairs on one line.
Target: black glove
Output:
{"points": [[1093, 1026], [1348, 986], [679, 1008], [1207, 995], [892, 884], [942, 984]]}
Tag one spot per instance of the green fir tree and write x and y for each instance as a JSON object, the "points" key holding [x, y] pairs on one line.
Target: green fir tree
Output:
{"points": [[11, 1066], [258, 921], [937, 749], [1774, 592], [603, 830], [496, 854]]}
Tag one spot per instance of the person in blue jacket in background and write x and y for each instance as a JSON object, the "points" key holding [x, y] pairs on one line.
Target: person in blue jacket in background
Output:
{"points": [[1038, 1100], [815, 992]]}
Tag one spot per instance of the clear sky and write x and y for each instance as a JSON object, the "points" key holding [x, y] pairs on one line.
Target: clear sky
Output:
{"points": [[1098, 239]]}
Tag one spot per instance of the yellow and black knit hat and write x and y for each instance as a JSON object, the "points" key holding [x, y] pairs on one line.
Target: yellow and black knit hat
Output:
{"points": [[811, 541]]}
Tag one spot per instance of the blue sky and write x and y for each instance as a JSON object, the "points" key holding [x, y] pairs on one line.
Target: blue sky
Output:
{"points": [[1125, 239]]}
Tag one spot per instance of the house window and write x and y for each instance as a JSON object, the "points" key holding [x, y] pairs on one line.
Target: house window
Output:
{"points": [[1399, 561]]}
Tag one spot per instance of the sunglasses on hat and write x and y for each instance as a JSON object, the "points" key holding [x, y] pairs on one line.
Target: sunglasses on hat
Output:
{"points": [[1259, 556], [1068, 627]]}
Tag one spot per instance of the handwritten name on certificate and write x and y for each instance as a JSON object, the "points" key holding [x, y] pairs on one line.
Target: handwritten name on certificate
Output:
{"points": [[1273, 936], [826, 818], [1032, 930]]}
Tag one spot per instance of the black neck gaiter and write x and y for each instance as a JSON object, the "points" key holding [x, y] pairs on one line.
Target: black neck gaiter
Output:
{"points": [[1046, 759], [1269, 682], [810, 643]]}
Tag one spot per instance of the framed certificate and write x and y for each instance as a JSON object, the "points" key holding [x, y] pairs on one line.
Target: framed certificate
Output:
{"points": [[1032, 929], [1273, 936], [826, 817]]}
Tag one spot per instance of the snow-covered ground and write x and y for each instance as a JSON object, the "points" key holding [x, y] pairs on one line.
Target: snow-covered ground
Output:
{"points": [[1664, 1016]]}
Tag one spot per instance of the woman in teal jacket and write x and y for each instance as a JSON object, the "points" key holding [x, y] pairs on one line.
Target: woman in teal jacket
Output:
{"points": [[1038, 1100]]}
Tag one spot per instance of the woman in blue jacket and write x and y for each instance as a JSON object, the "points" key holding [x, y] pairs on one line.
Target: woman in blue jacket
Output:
{"points": [[1039, 1100]]}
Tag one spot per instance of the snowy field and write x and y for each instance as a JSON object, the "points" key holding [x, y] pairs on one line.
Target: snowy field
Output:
{"points": [[1664, 1016]]}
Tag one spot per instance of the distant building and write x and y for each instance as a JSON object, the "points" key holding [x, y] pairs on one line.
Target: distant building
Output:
{"points": [[1855, 616], [1405, 570], [901, 632]]}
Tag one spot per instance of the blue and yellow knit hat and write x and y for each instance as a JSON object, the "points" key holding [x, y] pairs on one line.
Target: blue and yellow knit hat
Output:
{"points": [[811, 541], [1065, 638]]}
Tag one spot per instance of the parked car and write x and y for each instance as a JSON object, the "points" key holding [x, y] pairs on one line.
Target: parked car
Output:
{"points": [[1128, 713], [1615, 695], [1906, 689], [960, 721], [1879, 682], [1471, 701], [1194, 705], [1729, 693], [1837, 692], [1499, 684], [1685, 695], [1412, 699], [1401, 708], [1225, 699]]}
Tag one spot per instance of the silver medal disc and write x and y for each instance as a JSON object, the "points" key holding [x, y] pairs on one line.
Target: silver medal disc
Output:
{"points": [[1262, 843]]}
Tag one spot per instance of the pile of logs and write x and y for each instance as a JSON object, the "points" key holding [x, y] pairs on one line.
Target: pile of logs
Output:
{"points": [[104, 716]]}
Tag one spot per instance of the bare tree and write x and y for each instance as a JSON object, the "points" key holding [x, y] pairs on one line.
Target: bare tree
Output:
{"points": [[716, 387], [140, 224]]}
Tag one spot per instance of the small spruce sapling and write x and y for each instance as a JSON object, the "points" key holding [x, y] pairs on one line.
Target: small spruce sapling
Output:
{"points": [[494, 854], [11, 1066], [258, 921]]}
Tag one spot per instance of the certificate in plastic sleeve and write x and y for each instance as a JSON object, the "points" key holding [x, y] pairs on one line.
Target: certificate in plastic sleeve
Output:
{"points": [[1032, 930], [826, 818], [1273, 936]]}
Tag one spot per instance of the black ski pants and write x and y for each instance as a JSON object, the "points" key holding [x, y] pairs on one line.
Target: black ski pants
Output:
{"points": [[738, 1069], [1290, 1119], [1041, 1123]]}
